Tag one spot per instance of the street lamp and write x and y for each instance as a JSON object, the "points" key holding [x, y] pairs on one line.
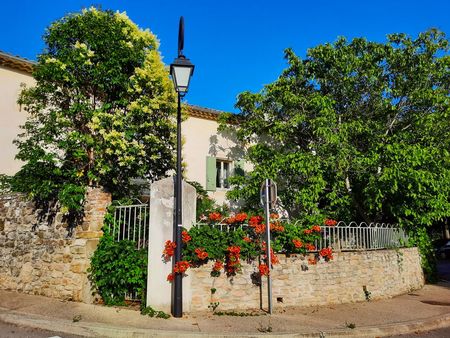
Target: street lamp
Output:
{"points": [[181, 71]]}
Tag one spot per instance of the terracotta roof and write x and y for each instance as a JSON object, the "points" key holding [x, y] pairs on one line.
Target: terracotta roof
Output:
{"points": [[16, 62], [25, 65], [203, 113]]}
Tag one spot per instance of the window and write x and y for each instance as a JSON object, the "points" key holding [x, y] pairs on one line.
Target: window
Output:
{"points": [[222, 174], [218, 172]]}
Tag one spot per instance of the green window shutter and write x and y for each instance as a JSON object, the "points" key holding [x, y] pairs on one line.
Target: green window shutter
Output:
{"points": [[211, 173], [239, 168]]}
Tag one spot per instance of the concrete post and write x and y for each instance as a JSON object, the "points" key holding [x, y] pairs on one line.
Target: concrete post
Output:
{"points": [[161, 229]]}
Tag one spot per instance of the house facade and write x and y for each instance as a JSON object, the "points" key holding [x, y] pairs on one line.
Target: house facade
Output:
{"points": [[13, 72], [209, 156]]}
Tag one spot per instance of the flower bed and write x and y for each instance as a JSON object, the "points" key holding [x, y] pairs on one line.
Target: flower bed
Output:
{"points": [[243, 239]]}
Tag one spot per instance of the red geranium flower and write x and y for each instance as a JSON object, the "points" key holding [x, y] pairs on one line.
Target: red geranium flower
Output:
{"points": [[181, 267], [218, 265], [274, 216], [169, 249], [273, 258], [241, 217], [255, 220], [247, 239], [277, 227], [263, 269], [327, 253], [312, 261], [298, 243], [307, 231], [310, 247], [230, 220], [236, 250], [264, 246], [186, 237], [171, 277], [201, 253], [215, 216], [330, 222], [316, 228], [233, 263]]}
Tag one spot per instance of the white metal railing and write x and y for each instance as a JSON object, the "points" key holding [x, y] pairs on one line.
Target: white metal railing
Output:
{"points": [[361, 236], [348, 237], [131, 222], [222, 226]]}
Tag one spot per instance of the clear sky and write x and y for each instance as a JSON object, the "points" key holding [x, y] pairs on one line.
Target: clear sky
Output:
{"points": [[235, 45]]}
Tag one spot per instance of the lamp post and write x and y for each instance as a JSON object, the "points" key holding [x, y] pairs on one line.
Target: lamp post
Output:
{"points": [[181, 71]]}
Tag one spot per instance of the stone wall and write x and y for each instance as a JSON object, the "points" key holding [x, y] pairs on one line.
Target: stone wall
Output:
{"points": [[38, 257], [383, 273]]}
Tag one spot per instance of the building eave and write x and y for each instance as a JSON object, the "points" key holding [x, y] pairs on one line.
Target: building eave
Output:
{"points": [[16, 63], [203, 113]]}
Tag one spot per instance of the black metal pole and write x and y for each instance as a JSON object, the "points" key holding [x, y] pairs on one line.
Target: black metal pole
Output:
{"points": [[177, 310]]}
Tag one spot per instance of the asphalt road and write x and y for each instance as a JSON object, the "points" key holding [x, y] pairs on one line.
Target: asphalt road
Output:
{"points": [[13, 331], [441, 333]]}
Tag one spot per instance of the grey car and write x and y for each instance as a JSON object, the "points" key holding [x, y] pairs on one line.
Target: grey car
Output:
{"points": [[444, 251]]}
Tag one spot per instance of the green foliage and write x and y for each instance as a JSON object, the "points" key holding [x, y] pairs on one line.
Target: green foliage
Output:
{"points": [[5, 184], [118, 268], [211, 239], [367, 293], [149, 311], [101, 112], [420, 238], [357, 130], [205, 204]]}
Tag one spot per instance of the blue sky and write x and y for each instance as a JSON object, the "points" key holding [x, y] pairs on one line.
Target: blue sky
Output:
{"points": [[235, 45]]}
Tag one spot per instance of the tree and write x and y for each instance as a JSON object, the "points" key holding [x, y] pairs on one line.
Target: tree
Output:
{"points": [[101, 112], [357, 131]]}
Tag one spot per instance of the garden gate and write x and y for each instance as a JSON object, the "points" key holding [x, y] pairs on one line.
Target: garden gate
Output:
{"points": [[131, 222]]}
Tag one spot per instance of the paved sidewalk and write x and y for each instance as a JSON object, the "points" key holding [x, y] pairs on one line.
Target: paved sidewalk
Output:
{"points": [[425, 309]]}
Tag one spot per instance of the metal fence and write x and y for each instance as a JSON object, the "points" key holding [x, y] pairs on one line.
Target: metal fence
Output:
{"points": [[349, 236], [361, 236], [131, 222]]}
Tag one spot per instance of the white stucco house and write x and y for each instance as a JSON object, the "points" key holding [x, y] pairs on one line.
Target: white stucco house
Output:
{"points": [[209, 155]]}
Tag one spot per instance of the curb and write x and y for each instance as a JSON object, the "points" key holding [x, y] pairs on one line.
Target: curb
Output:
{"points": [[90, 329]]}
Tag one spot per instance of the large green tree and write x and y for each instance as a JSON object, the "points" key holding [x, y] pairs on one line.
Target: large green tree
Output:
{"points": [[357, 130], [101, 112]]}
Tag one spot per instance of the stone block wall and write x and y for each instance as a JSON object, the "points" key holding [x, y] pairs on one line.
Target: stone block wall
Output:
{"points": [[382, 273], [38, 257]]}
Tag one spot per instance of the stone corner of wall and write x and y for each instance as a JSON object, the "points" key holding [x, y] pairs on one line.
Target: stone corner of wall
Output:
{"points": [[44, 261]]}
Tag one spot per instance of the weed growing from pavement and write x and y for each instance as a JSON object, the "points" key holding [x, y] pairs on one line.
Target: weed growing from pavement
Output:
{"points": [[350, 325], [367, 293], [149, 311], [265, 329], [213, 306]]}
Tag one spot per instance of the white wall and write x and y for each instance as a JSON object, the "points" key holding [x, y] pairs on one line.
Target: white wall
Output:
{"points": [[202, 139], [10, 117]]}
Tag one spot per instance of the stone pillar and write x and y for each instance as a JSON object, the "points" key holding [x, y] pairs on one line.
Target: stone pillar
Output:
{"points": [[162, 200], [88, 235]]}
